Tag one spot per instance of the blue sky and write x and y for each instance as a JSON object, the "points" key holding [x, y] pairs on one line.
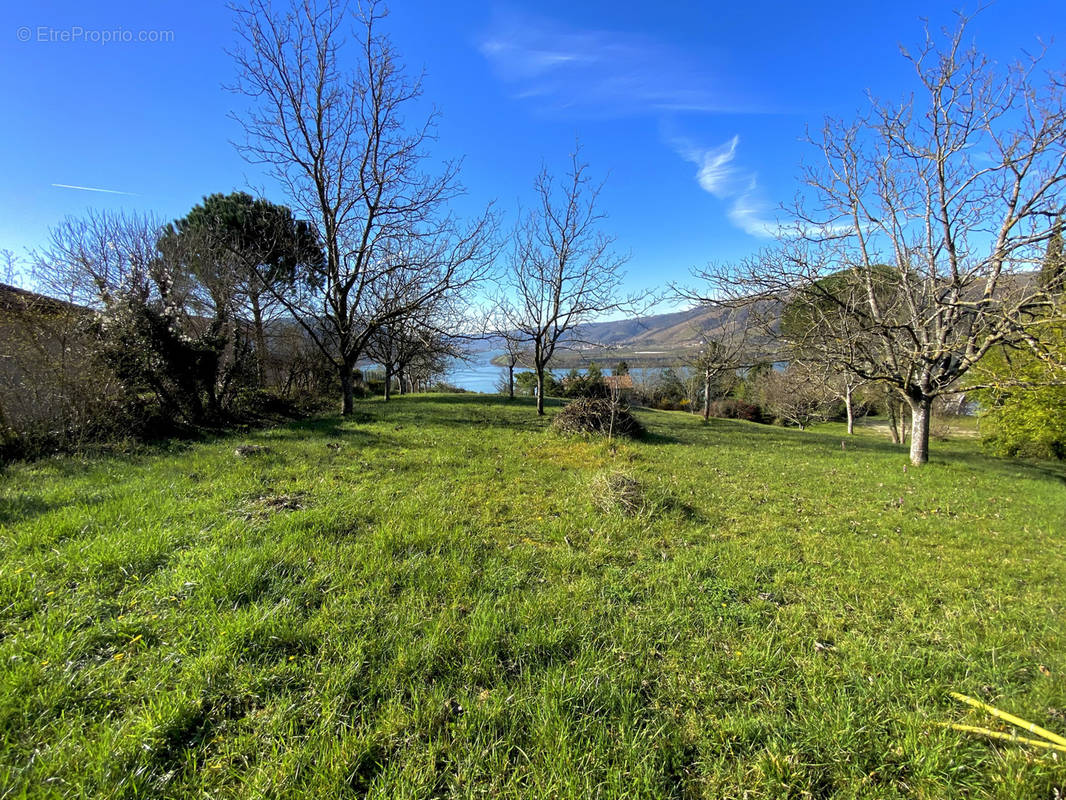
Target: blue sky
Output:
{"points": [[695, 112]]}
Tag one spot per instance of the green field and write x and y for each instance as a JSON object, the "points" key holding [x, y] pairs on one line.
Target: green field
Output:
{"points": [[426, 600]]}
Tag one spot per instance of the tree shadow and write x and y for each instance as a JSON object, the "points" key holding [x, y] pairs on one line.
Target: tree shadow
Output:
{"points": [[658, 438], [943, 453], [338, 428], [23, 508], [465, 410]]}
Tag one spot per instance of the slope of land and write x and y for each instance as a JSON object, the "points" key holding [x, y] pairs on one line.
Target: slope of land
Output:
{"points": [[660, 340], [427, 600]]}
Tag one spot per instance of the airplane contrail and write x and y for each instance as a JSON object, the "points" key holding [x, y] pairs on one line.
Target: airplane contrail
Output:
{"points": [[93, 189]]}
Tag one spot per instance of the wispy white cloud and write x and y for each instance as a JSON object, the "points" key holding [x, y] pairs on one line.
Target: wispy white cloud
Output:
{"points": [[92, 189], [751, 213], [612, 73], [718, 175], [602, 73], [715, 171]]}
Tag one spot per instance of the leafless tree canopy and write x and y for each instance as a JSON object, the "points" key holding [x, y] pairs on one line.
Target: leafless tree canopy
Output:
{"points": [[936, 211], [339, 139], [419, 343], [721, 351], [563, 270], [499, 321], [91, 260]]}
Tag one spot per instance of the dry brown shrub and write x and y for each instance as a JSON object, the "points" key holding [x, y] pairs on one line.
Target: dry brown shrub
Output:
{"points": [[597, 415], [618, 491]]}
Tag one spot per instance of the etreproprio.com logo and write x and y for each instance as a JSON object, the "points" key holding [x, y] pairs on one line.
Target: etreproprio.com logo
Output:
{"points": [[77, 34]]}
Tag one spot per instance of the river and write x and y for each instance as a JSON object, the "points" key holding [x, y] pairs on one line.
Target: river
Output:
{"points": [[479, 374]]}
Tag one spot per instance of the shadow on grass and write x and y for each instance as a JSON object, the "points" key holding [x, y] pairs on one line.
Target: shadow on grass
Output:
{"points": [[336, 428], [658, 438], [480, 400], [1049, 470], [23, 508], [467, 410], [940, 453], [687, 511], [519, 414]]}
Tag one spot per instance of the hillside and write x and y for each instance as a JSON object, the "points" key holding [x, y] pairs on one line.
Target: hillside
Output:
{"points": [[664, 331], [666, 338], [655, 340], [437, 598], [659, 329]]}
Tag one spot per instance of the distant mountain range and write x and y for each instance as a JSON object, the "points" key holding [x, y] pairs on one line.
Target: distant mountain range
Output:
{"points": [[652, 341], [673, 330]]}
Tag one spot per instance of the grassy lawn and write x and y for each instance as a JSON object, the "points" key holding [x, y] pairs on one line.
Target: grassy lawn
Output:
{"points": [[425, 601]]}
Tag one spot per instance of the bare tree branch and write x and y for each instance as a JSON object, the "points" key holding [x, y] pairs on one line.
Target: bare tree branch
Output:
{"points": [[338, 139], [934, 212], [563, 271]]}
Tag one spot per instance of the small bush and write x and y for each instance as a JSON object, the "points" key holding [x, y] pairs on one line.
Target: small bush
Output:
{"points": [[597, 415], [1025, 423], [618, 491], [442, 387], [736, 409], [260, 402]]}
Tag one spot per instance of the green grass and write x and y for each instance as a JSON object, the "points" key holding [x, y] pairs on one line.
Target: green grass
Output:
{"points": [[425, 601]]}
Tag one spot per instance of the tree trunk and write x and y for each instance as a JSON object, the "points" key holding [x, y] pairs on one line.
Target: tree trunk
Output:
{"points": [[510, 381], [260, 341], [892, 422], [707, 395], [388, 383], [540, 391], [921, 411], [851, 411], [347, 391]]}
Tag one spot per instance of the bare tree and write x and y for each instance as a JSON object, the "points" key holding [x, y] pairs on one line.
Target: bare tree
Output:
{"points": [[514, 351], [843, 385], [793, 395], [821, 330], [722, 350], [9, 267], [499, 326], [338, 139], [937, 208], [393, 346], [563, 271], [93, 260], [412, 349]]}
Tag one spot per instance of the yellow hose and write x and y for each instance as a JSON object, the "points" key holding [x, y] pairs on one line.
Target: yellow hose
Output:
{"points": [[1013, 720], [1009, 737]]}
